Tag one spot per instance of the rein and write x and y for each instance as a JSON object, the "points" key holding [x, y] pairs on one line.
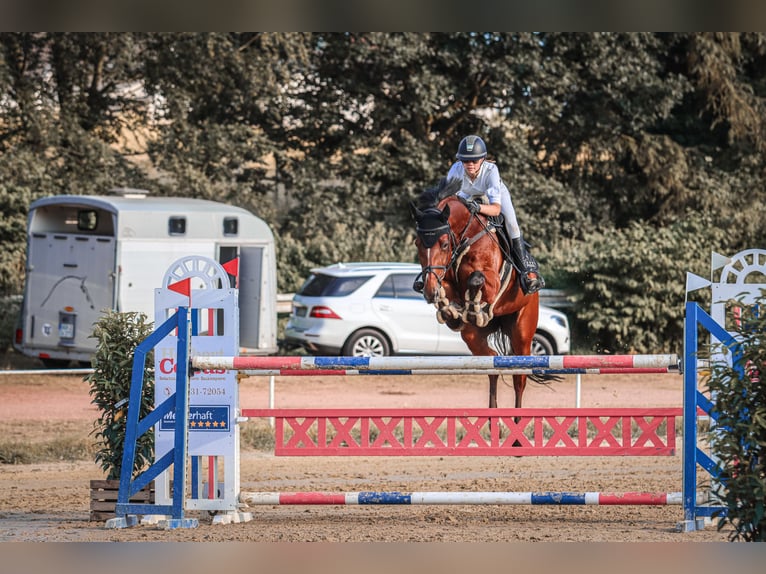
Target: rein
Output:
{"points": [[463, 247]]}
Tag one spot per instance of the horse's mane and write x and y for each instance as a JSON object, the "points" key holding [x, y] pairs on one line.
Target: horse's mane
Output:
{"points": [[433, 195]]}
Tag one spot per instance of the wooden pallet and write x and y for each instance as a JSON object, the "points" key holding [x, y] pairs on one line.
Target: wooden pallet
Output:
{"points": [[103, 498]]}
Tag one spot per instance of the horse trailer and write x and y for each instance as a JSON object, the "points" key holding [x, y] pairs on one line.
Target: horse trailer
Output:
{"points": [[90, 254]]}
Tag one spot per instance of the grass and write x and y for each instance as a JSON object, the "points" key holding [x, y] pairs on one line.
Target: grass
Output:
{"points": [[257, 436], [64, 449]]}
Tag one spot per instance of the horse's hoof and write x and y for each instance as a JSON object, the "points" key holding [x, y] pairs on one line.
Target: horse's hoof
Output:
{"points": [[468, 317], [447, 314]]}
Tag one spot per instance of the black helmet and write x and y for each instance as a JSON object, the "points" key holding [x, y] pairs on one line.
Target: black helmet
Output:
{"points": [[471, 147]]}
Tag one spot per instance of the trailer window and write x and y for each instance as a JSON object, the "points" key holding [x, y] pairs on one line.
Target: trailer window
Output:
{"points": [[87, 220], [230, 226], [177, 226]]}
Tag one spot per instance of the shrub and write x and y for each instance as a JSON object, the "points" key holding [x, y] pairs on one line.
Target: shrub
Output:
{"points": [[118, 335], [626, 284], [11, 306], [738, 439]]}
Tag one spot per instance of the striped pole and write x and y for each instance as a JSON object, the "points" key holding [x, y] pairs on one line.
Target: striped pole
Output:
{"points": [[344, 372], [502, 362], [466, 498]]}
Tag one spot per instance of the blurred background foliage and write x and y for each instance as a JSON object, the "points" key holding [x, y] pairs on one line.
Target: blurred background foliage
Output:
{"points": [[630, 156]]}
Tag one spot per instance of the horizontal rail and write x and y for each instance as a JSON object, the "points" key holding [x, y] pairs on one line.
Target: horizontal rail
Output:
{"points": [[472, 498], [473, 432], [349, 372], [439, 362]]}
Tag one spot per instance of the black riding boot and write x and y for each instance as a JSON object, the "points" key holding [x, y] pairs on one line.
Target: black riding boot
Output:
{"points": [[531, 280]]}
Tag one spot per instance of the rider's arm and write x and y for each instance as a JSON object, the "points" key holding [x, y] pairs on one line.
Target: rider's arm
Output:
{"points": [[490, 209], [492, 190]]}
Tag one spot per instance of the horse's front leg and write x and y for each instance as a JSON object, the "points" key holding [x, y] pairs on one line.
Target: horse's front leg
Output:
{"points": [[448, 311], [476, 312]]}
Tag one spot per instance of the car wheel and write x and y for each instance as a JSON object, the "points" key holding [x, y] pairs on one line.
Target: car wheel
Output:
{"points": [[367, 343], [541, 345]]}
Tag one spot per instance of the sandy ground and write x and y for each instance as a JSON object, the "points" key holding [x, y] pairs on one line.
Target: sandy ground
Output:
{"points": [[50, 502]]}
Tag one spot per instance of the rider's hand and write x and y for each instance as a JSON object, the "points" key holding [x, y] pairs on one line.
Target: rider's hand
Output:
{"points": [[473, 207]]}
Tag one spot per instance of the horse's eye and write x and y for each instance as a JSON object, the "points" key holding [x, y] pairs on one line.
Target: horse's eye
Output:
{"points": [[445, 244]]}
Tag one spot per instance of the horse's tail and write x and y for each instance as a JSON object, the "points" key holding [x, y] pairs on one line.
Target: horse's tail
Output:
{"points": [[501, 342]]}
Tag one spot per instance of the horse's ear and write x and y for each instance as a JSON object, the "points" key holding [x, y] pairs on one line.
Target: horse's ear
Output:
{"points": [[414, 211], [445, 213]]}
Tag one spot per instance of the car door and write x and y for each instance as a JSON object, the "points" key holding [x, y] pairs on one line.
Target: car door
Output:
{"points": [[412, 321], [450, 342]]}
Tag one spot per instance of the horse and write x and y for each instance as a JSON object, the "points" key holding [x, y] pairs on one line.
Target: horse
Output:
{"points": [[468, 275]]}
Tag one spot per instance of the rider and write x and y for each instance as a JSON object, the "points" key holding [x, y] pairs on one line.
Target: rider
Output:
{"points": [[481, 178]]}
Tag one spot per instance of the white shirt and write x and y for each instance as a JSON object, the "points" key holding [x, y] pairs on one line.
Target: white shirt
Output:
{"points": [[486, 183]]}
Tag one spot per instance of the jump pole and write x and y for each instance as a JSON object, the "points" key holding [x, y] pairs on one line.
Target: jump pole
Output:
{"points": [[393, 372], [463, 498], [546, 362]]}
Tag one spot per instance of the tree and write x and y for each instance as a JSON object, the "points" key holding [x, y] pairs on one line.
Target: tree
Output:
{"points": [[329, 136], [64, 113]]}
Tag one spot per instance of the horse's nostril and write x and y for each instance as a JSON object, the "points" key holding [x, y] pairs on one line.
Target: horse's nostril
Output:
{"points": [[418, 286]]}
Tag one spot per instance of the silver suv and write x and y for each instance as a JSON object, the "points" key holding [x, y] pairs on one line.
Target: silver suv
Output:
{"points": [[371, 309]]}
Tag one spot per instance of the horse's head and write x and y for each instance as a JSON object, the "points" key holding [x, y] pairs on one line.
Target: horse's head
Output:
{"points": [[434, 236], [443, 222], [434, 242]]}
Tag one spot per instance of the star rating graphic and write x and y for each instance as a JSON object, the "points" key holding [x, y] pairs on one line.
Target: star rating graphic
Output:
{"points": [[202, 418], [207, 425]]}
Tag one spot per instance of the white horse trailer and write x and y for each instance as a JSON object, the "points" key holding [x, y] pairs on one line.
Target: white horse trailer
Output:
{"points": [[88, 254]]}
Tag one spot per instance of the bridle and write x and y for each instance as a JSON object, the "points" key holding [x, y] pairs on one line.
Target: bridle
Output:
{"points": [[458, 247], [429, 238]]}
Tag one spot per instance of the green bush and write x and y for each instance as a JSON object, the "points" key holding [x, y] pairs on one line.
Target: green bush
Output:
{"points": [[118, 335], [628, 285], [11, 306], [738, 439]]}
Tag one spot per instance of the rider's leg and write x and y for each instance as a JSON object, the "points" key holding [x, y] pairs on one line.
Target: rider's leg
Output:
{"points": [[531, 280]]}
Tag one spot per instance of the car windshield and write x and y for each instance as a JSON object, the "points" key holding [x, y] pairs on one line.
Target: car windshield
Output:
{"points": [[321, 285]]}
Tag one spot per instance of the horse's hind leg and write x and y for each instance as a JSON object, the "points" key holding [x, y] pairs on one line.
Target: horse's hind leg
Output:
{"points": [[493, 391], [477, 343], [519, 384]]}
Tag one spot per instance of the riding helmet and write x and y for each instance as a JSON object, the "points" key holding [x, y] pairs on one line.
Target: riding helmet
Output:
{"points": [[471, 147]]}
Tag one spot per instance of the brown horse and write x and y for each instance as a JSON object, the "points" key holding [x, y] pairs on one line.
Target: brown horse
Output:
{"points": [[470, 280]]}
